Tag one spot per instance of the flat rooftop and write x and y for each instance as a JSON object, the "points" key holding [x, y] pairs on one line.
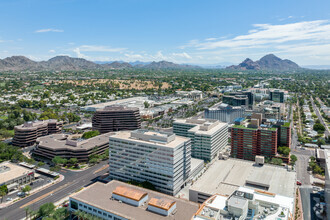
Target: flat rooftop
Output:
{"points": [[152, 137], [99, 195], [203, 126], [66, 142], [116, 102], [226, 176], [9, 171]]}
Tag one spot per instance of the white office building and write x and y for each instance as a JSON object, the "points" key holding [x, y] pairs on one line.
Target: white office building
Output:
{"points": [[163, 159], [224, 113], [208, 136]]}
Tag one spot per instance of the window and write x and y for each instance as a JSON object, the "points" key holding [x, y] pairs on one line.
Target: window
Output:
{"points": [[74, 205]]}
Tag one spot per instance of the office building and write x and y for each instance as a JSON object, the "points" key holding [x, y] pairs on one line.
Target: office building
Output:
{"points": [[14, 175], [276, 95], [224, 113], [327, 181], [252, 138], [116, 118], [194, 95], [236, 100], [120, 201], [245, 203], [27, 133], [69, 146], [163, 159], [208, 136], [225, 177]]}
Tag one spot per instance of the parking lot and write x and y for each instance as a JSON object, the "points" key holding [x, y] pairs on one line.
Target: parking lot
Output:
{"points": [[40, 181]]}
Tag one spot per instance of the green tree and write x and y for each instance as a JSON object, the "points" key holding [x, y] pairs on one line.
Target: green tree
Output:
{"points": [[293, 159], [276, 161], [26, 189], [40, 164], [146, 104], [90, 134], [319, 127], [73, 161], [46, 210], [61, 213]]}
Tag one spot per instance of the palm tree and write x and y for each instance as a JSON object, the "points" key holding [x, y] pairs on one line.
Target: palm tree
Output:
{"points": [[27, 212], [2, 194]]}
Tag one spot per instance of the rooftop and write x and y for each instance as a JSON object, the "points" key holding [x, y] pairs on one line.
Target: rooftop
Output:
{"points": [[162, 203], [225, 176], [99, 195], [66, 142], [130, 193], [203, 126], [9, 171], [151, 137]]}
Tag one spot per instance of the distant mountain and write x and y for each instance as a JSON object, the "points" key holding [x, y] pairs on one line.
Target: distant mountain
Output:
{"points": [[66, 63], [139, 63], [167, 65], [268, 62], [117, 65], [317, 67], [62, 63], [18, 63]]}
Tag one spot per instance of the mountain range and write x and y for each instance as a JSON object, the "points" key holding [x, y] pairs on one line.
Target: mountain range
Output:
{"points": [[66, 63], [268, 62]]}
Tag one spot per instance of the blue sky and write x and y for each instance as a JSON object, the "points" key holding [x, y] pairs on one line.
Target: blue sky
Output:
{"points": [[199, 32]]}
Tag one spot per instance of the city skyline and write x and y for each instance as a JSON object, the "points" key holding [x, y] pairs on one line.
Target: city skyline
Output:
{"points": [[210, 32]]}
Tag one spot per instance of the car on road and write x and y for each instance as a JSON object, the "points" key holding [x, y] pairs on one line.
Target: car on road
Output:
{"points": [[298, 183], [9, 199]]}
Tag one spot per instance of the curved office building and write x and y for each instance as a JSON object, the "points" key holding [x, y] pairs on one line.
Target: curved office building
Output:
{"points": [[116, 118], [27, 133]]}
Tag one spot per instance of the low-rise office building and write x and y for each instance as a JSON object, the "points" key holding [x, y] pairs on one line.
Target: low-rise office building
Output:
{"points": [[208, 136], [163, 159], [27, 133], [224, 177], [68, 146], [14, 175], [120, 201], [245, 203], [116, 118]]}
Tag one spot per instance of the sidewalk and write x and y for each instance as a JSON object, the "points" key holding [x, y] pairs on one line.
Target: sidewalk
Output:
{"points": [[298, 210], [5, 204]]}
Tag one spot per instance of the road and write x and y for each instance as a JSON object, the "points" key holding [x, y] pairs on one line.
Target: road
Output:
{"points": [[319, 116], [305, 193], [73, 181], [303, 160]]}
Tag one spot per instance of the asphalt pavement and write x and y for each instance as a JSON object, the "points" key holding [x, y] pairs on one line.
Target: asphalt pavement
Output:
{"points": [[305, 193], [73, 182]]}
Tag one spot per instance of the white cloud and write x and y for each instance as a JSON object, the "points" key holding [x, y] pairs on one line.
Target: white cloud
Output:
{"points": [[48, 30], [300, 41], [182, 55], [51, 51], [265, 34]]}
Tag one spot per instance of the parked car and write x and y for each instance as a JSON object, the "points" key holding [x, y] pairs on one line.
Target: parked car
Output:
{"points": [[21, 194], [298, 183]]}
